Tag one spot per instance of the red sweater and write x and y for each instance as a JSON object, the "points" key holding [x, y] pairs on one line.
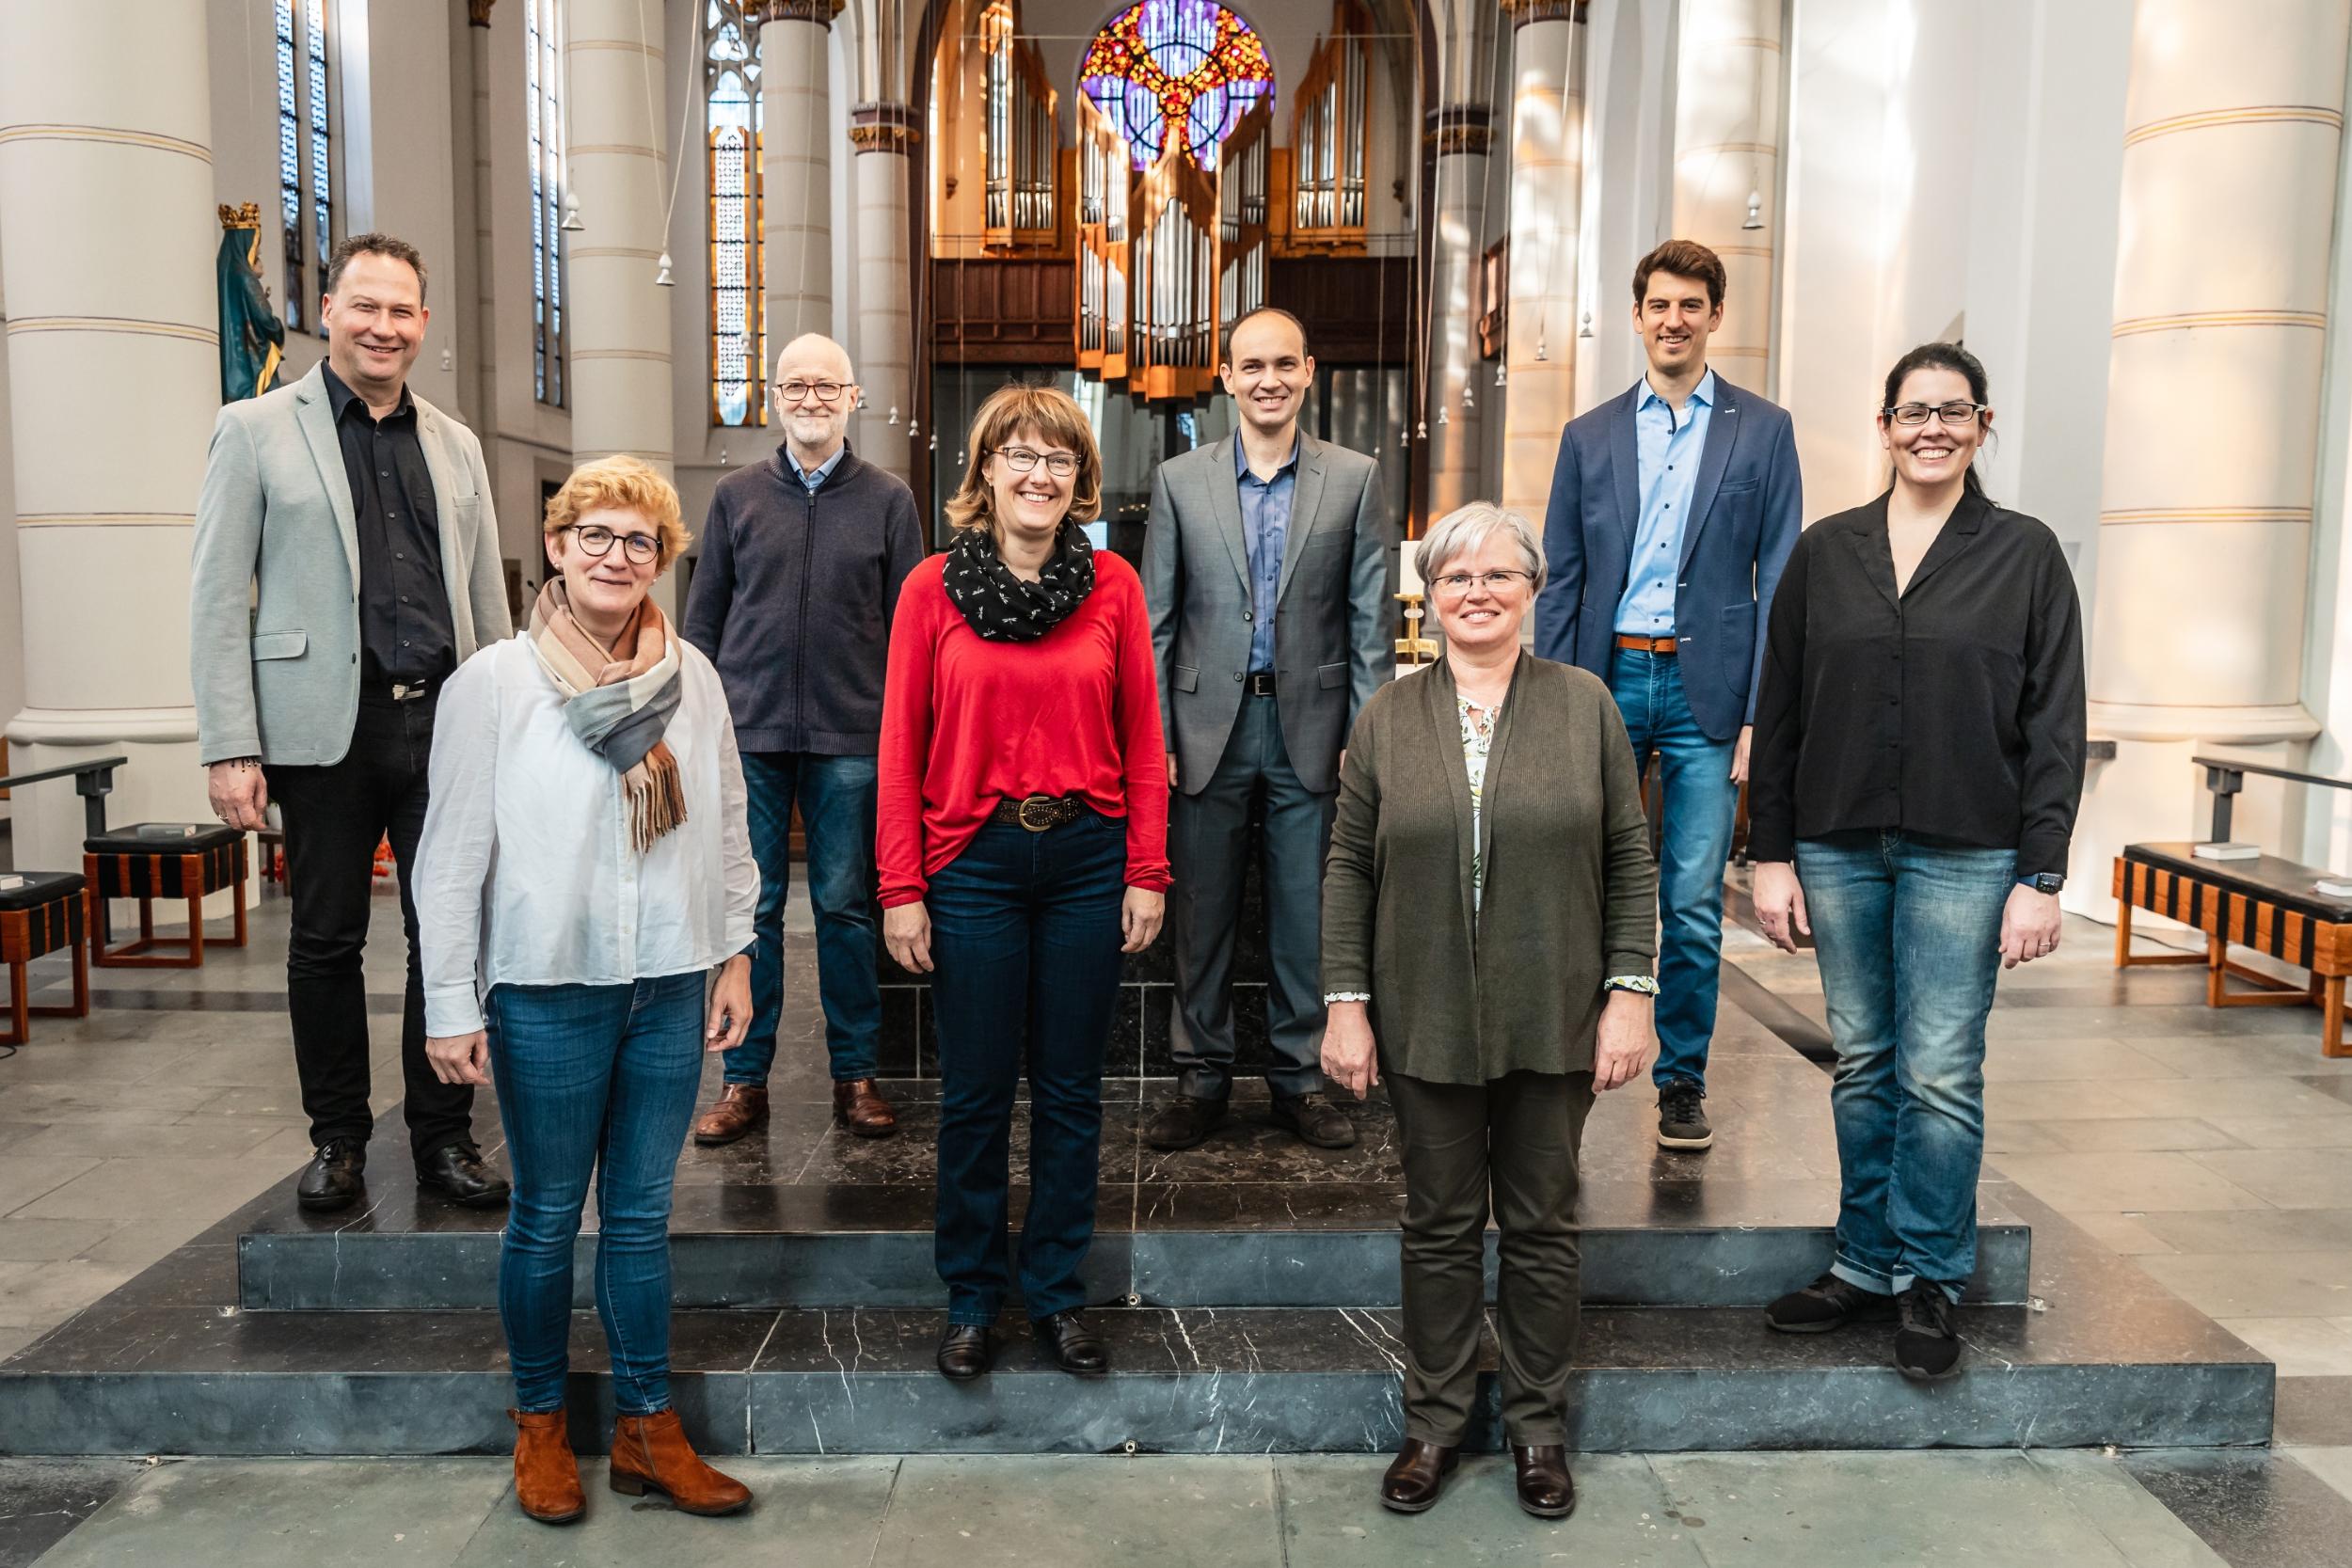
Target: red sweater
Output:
{"points": [[967, 722]]}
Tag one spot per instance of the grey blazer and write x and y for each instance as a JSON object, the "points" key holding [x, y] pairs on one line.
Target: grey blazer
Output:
{"points": [[1333, 610], [274, 593]]}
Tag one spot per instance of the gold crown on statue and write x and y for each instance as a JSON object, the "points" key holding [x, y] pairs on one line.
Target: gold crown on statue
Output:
{"points": [[247, 216]]}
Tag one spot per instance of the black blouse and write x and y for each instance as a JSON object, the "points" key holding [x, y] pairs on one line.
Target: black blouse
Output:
{"points": [[1954, 710]]}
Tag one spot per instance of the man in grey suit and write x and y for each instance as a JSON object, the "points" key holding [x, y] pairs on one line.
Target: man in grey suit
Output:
{"points": [[354, 519], [1270, 573]]}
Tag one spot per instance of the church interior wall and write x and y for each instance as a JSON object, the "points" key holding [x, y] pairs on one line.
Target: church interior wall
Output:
{"points": [[1628, 183], [11, 610]]}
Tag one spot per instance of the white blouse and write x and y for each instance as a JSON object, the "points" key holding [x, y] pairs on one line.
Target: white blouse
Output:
{"points": [[526, 875]]}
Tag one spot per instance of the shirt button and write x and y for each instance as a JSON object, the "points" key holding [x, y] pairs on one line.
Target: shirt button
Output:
{"points": [[1249, 615]]}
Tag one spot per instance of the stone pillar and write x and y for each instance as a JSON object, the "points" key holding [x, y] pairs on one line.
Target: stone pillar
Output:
{"points": [[1547, 199], [485, 409], [1461, 135], [113, 346], [2232, 140], [1727, 127], [619, 316], [796, 167], [885, 137]]}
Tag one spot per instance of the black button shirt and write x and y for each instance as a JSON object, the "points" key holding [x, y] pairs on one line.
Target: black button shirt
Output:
{"points": [[1954, 710], [406, 633]]}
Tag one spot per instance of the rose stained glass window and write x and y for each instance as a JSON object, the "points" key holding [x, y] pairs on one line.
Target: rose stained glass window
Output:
{"points": [[1176, 72]]}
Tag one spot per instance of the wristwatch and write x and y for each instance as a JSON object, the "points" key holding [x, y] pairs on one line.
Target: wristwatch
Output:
{"points": [[2044, 882]]}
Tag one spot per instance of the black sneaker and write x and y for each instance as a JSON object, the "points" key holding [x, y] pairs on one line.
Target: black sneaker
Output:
{"points": [[1682, 1116], [1315, 1119], [1927, 1346], [1826, 1304], [1183, 1121]]}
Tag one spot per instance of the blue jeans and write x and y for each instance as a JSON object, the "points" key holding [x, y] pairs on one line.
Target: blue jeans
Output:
{"points": [[837, 802], [1907, 935], [1024, 948], [1695, 841], [601, 1080]]}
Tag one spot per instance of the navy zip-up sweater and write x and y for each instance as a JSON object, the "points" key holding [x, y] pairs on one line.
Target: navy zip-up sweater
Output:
{"points": [[792, 600]]}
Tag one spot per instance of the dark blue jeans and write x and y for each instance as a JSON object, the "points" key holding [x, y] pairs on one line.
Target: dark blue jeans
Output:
{"points": [[1907, 935], [593, 1080], [1694, 842], [837, 801], [1025, 944]]}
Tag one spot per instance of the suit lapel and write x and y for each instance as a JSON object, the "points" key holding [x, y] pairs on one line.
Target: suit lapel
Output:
{"points": [[314, 411], [1306, 495], [1959, 532], [454, 556], [1626, 460], [1872, 547], [1225, 506], [1723, 434]]}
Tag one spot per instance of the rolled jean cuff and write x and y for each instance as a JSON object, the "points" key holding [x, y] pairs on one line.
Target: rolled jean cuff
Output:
{"points": [[970, 1315], [1864, 1279]]}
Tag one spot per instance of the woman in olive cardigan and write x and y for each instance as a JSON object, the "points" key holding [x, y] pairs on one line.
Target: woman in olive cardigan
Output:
{"points": [[1488, 928]]}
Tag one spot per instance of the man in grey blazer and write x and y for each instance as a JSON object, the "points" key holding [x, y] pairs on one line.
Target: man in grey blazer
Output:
{"points": [[1270, 573], [354, 519]]}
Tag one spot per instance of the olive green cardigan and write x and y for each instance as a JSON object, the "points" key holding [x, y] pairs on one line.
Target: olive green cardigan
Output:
{"points": [[1571, 891]]}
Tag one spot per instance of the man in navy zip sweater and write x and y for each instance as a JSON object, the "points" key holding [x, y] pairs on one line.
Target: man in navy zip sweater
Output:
{"points": [[792, 595]]}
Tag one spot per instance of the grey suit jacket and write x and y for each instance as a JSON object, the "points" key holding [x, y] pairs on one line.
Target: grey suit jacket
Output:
{"points": [[1334, 607], [274, 532]]}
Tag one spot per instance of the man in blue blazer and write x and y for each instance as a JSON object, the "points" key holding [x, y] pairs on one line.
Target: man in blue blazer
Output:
{"points": [[1674, 508]]}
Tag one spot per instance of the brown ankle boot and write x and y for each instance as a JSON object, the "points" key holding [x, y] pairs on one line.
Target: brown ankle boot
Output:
{"points": [[650, 1453], [742, 1108], [547, 1476], [860, 1107]]}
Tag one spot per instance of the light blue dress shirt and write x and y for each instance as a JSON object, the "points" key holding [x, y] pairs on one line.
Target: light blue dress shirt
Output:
{"points": [[815, 478], [1266, 521], [1667, 468]]}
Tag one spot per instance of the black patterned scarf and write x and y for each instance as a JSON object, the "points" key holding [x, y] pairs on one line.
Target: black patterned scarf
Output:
{"points": [[1006, 608]]}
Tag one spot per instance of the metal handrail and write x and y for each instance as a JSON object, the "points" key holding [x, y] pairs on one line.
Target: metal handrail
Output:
{"points": [[92, 781], [2225, 777]]}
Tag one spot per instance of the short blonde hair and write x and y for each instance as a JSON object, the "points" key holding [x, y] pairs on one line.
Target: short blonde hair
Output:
{"points": [[1051, 415], [1462, 531], [622, 483]]}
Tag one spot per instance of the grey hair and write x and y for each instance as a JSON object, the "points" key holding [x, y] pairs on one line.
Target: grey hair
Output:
{"points": [[1460, 531]]}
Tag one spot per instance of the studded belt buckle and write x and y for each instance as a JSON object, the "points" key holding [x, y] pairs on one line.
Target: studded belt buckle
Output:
{"points": [[1044, 805]]}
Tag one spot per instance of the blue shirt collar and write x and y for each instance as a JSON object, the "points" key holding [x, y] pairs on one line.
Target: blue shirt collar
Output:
{"points": [[824, 470], [1241, 457], [1704, 392]]}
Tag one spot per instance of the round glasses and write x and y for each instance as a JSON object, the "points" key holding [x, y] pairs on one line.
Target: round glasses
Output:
{"points": [[1950, 413], [597, 542], [1061, 465]]}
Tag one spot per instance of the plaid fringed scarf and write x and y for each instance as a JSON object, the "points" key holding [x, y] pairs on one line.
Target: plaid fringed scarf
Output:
{"points": [[619, 707]]}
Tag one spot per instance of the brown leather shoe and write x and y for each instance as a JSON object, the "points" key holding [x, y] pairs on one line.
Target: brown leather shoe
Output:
{"points": [[1416, 1476], [860, 1107], [1542, 1475], [741, 1108], [651, 1453], [547, 1476]]}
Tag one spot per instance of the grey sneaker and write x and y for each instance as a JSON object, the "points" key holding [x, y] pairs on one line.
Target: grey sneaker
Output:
{"points": [[1682, 1116]]}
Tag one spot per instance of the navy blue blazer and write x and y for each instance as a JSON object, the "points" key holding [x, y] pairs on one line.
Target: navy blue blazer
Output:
{"points": [[1745, 514]]}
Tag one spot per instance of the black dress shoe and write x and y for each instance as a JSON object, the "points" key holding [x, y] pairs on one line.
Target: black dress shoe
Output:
{"points": [[1183, 1121], [458, 1174], [335, 1176], [1416, 1476], [965, 1351], [1544, 1485], [1315, 1119], [1070, 1345]]}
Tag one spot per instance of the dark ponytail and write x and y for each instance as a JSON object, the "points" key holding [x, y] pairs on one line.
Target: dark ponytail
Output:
{"points": [[1943, 356]]}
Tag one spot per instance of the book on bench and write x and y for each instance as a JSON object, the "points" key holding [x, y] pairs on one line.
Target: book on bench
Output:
{"points": [[2226, 849], [2333, 887]]}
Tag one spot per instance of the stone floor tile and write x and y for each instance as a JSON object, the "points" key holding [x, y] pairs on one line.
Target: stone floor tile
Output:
{"points": [[140, 1242], [2331, 1465], [2108, 1182], [47, 1293], [821, 1513], [2302, 1347], [2137, 1136], [2208, 1098], [38, 1240], [2257, 1284], [2255, 1230], [1331, 1518], [25, 1179], [2042, 1058], [1196, 1512], [2326, 1131], [46, 1059], [41, 1499], [2289, 1178], [2256, 1509], [2101, 1491], [2316, 1410], [2232, 1056], [209, 1139], [143, 1189], [2127, 1233], [291, 1514]]}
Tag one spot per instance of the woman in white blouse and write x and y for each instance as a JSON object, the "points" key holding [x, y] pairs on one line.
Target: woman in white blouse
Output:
{"points": [[585, 865]]}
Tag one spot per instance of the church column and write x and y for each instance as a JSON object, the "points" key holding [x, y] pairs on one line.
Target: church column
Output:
{"points": [[1728, 125], [1547, 193], [796, 165], [2230, 165], [113, 349], [619, 316], [884, 136], [485, 408], [1461, 135]]}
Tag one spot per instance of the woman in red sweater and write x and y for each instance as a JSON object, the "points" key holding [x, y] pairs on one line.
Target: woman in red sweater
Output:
{"points": [[1023, 849]]}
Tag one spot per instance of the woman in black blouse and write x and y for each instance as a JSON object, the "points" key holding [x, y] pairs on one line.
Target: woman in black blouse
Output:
{"points": [[1918, 759]]}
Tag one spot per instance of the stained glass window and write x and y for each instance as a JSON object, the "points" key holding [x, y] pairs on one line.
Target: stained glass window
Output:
{"points": [[542, 115], [1181, 71], [304, 137], [731, 125]]}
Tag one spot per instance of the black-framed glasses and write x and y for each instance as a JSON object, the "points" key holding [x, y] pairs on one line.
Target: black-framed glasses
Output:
{"points": [[1493, 583], [1061, 465], [595, 541], [1957, 413], [823, 392]]}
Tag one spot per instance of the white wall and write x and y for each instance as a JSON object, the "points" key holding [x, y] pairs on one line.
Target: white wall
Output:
{"points": [[1628, 188]]}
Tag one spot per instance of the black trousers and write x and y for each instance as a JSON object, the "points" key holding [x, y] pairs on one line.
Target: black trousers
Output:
{"points": [[334, 817]]}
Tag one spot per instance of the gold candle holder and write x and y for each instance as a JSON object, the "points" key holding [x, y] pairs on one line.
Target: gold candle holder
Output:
{"points": [[1413, 648]]}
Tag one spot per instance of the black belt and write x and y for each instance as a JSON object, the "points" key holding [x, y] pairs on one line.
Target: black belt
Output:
{"points": [[1039, 811], [398, 691], [1259, 683]]}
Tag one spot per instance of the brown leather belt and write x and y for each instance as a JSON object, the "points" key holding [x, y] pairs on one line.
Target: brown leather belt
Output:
{"points": [[1039, 811], [1648, 645]]}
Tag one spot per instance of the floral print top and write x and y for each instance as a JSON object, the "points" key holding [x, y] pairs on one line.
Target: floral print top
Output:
{"points": [[1478, 739]]}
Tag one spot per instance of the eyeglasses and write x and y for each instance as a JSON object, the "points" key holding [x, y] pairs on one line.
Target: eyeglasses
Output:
{"points": [[1493, 583], [824, 391], [597, 542], [1950, 413], [1061, 465]]}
